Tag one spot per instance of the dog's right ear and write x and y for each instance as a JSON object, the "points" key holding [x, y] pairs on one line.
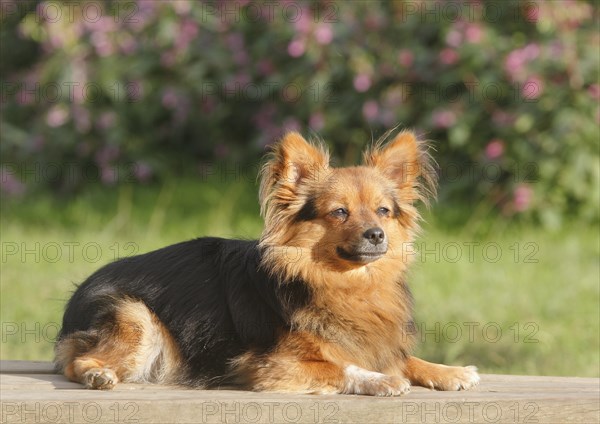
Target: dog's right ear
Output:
{"points": [[294, 164]]}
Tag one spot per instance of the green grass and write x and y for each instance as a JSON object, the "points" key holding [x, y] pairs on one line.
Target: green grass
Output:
{"points": [[533, 311]]}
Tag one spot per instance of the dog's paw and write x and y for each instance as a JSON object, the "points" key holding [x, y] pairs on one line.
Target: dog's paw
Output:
{"points": [[455, 378], [389, 385], [100, 379], [363, 382]]}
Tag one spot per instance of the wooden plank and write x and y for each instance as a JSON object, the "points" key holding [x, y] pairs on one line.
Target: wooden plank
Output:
{"points": [[27, 396], [26, 367]]}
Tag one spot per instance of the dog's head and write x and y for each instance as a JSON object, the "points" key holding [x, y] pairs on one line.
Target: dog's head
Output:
{"points": [[343, 218]]}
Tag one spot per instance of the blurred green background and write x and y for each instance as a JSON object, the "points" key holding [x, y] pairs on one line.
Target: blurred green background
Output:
{"points": [[130, 125]]}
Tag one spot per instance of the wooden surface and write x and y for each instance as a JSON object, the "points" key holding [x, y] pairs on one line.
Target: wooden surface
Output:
{"points": [[31, 393]]}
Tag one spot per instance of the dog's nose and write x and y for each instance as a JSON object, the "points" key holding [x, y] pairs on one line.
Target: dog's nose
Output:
{"points": [[375, 235]]}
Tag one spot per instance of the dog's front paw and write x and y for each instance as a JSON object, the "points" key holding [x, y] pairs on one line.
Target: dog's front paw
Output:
{"points": [[363, 382], [455, 378], [100, 379]]}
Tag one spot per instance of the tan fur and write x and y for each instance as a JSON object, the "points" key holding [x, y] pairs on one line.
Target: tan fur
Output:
{"points": [[138, 349]]}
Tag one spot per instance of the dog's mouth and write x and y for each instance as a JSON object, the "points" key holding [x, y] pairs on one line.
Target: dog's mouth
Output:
{"points": [[360, 256]]}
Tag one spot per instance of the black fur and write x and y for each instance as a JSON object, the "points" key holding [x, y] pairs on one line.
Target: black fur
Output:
{"points": [[211, 294], [308, 212]]}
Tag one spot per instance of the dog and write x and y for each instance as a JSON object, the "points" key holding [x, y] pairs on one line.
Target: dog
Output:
{"points": [[319, 304]]}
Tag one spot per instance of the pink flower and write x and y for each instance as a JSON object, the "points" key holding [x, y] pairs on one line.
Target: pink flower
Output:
{"points": [[522, 197], [83, 149], [473, 33], [532, 88], [502, 118], [144, 15], [242, 78], [188, 30], [388, 117], [37, 143], [103, 25], [265, 67], [316, 121], [532, 12], [362, 82], [296, 48], [594, 91], [291, 124], [386, 69], [221, 150], [81, 116], [209, 104], [107, 154], [128, 44], [181, 7], [374, 22], [264, 117], [109, 175], [494, 149], [25, 95], [303, 23], [557, 48], [454, 38], [169, 98], [57, 116], [443, 118], [324, 34], [106, 120], [241, 57], [142, 171], [448, 56], [103, 45], [235, 41], [394, 97], [9, 184], [370, 110], [168, 58], [515, 61], [531, 51], [406, 58]]}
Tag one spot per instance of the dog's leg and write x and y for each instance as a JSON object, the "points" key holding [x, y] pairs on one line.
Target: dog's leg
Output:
{"points": [[134, 347], [93, 373], [440, 377], [300, 363], [292, 374], [96, 367], [363, 382]]}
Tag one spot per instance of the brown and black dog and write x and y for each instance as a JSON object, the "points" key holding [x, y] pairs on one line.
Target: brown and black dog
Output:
{"points": [[318, 305]]}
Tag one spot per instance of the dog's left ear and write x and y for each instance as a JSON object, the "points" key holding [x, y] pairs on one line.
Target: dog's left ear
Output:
{"points": [[405, 161]]}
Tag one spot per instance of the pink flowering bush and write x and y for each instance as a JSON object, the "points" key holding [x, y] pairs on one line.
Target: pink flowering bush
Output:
{"points": [[507, 92]]}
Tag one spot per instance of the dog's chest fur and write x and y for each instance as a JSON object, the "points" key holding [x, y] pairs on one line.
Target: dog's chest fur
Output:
{"points": [[370, 326]]}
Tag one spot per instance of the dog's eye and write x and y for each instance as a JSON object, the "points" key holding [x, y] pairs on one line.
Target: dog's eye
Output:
{"points": [[383, 211], [340, 213]]}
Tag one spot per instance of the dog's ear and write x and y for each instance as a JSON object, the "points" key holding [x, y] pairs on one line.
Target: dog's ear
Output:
{"points": [[294, 164], [405, 161]]}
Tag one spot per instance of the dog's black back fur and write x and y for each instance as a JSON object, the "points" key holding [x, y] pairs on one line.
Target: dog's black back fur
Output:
{"points": [[210, 293]]}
